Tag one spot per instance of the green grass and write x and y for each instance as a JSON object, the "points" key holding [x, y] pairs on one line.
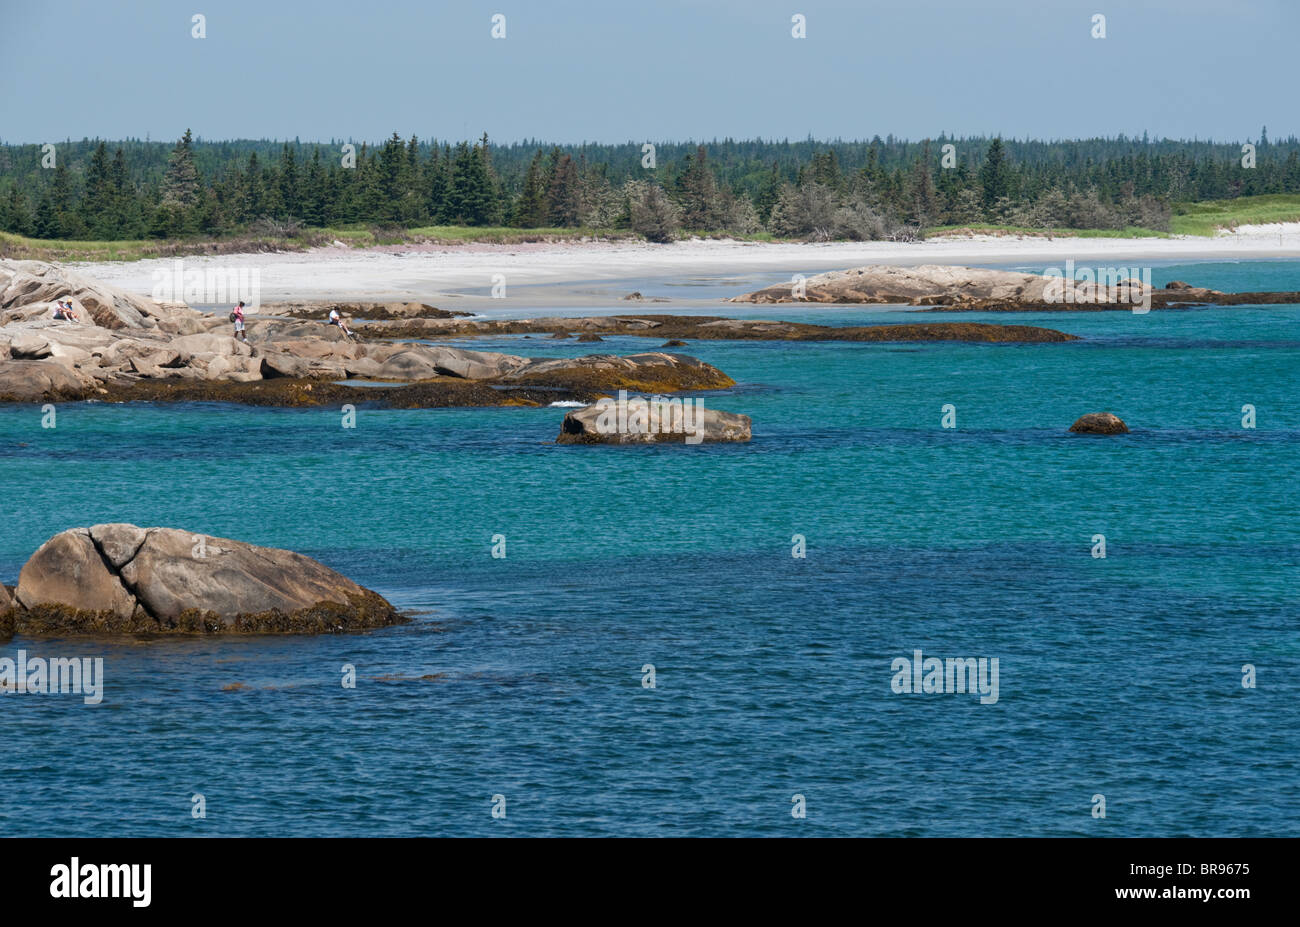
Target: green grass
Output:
{"points": [[1206, 218], [980, 228], [18, 247]]}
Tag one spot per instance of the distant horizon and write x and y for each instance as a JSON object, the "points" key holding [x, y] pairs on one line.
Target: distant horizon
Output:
{"points": [[528, 142]]}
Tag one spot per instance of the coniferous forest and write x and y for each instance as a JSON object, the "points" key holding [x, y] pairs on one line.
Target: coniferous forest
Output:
{"points": [[879, 189]]}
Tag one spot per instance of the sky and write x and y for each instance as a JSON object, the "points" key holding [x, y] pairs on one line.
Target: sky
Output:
{"points": [[646, 70]]}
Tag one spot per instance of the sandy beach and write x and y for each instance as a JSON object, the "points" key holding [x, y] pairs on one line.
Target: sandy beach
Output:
{"points": [[586, 273]]}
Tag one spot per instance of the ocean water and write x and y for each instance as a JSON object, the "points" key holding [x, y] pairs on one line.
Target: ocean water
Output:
{"points": [[522, 677]]}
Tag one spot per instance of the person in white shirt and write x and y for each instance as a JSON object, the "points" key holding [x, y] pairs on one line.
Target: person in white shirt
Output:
{"points": [[337, 319]]}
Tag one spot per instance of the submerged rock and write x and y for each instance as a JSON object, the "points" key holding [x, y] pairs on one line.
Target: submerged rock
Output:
{"points": [[1099, 423], [122, 578], [654, 420]]}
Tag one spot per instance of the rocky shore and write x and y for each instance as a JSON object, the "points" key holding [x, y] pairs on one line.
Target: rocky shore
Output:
{"points": [[125, 347], [119, 578], [946, 288]]}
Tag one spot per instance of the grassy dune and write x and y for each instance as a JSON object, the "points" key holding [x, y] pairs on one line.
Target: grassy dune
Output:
{"points": [[1207, 217]]}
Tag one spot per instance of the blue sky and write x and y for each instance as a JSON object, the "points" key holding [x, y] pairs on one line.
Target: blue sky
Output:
{"points": [[619, 70]]}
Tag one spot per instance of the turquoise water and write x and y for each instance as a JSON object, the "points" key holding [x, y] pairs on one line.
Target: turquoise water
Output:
{"points": [[1119, 676]]}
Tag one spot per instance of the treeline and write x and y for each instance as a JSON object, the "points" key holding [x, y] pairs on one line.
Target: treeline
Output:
{"points": [[884, 188]]}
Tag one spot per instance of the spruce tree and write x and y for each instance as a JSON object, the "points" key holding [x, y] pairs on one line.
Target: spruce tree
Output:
{"points": [[97, 204], [181, 181], [562, 197], [995, 179], [438, 185], [530, 211], [288, 182]]}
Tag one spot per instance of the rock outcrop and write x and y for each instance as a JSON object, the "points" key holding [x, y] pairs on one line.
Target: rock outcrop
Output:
{"points": [[950, 288], [652, 420], [30, 288], [925, 285], [120, 578], [1099, 423], [129, 342]]}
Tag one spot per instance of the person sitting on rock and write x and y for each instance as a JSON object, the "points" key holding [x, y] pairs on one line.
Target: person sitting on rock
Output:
{"points": [[63, 311], [337, 319], [238, 318]]}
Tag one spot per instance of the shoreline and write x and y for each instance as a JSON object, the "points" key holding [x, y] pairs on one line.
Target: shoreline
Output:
{"points": [[571, 274]]}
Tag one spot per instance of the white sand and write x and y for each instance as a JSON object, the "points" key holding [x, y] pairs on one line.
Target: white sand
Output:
{"points": [[586, 272]]}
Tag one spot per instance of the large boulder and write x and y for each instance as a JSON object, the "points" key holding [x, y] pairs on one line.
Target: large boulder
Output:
{"points": [[364, 367], [210, 343], [119, 577], [1099, 423], [654, 420], [235, 367], [475, 365], [287, 365], [411, 364], [29, 345], [68, 570], [38, 381]]}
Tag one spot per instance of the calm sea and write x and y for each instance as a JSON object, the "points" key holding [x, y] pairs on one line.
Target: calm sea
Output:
{"points": [[522, 677]]}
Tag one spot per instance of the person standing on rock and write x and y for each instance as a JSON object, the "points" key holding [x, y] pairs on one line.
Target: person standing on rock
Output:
{"points": [[238, 318]]}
